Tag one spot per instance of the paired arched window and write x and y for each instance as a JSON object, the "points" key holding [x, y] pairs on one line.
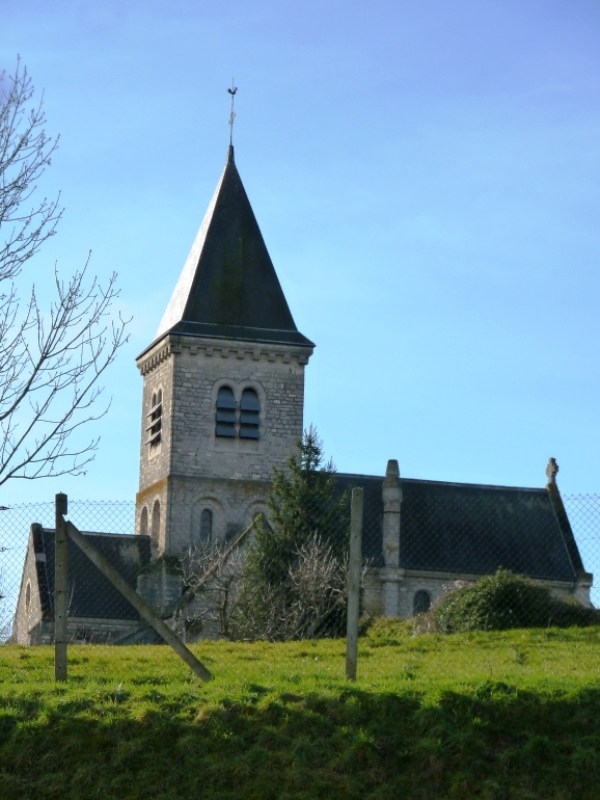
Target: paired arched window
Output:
{"points": [[241, 421], [154, 427], [151, 520]]}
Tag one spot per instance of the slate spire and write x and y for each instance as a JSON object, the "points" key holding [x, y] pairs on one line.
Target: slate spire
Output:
{"points": [[228, 287]]}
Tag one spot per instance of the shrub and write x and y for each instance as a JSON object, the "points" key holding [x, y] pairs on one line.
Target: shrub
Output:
{"points": [[505, 600]]}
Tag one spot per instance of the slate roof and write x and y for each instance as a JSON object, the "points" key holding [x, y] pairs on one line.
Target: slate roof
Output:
{"points": [[228, 287], [472, 528], [90, 593]]}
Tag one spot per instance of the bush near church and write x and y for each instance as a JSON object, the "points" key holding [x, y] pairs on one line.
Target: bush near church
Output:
{"points": [[505, 600]]}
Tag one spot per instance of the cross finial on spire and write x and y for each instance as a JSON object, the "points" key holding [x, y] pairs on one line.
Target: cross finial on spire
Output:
{"points": [[232, 91]]}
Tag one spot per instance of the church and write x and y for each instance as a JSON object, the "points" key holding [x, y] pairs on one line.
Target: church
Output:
{"points": [[223, 397]]}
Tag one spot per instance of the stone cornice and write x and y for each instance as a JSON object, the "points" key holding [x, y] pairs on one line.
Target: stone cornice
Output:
{"points": [[154, 357], [222, 348]]}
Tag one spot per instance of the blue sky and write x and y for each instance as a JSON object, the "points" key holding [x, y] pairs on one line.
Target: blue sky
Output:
{"points": [[426, 177]]}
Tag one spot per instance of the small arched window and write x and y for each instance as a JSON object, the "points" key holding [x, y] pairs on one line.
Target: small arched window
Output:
{"points": [[206, 526], [156, 519], [421, 602], [249, 415], [154, 427], [144, 521], [226, 413]]}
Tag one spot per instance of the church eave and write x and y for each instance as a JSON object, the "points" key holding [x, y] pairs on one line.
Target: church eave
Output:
{"points": [[241, 333], [208, 331]]}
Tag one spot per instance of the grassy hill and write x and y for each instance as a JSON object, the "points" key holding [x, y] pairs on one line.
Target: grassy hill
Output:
{"points": [[495, 715]]}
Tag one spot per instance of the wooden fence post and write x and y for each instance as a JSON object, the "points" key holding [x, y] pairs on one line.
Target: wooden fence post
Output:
{"points": [[354, 573], [140, 605], [61, 587]]}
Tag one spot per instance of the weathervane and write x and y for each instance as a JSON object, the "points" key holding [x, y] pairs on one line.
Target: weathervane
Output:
{"points": [[232, 92]]}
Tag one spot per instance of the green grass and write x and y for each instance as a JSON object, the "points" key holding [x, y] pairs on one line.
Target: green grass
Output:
{"points": [[496, 715]]}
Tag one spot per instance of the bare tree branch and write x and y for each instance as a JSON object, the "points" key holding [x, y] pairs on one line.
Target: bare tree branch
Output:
{"points": [[211, 572], [25, 152], [51, 360]]}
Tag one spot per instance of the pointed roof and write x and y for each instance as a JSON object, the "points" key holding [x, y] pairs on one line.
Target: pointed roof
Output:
{"points": [[228, 287]]}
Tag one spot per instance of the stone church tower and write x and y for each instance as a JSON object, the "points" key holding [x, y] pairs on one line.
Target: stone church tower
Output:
{"points": [[223, 384]]}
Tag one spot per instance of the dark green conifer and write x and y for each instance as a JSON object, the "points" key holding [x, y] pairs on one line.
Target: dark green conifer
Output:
{"points": [[305, 511]]}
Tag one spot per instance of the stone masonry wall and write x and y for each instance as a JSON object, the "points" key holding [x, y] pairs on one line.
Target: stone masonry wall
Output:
{"points": [[192, 468], [276, 373]]}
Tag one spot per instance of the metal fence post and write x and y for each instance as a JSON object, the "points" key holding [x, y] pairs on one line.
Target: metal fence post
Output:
{"points": [[61, 588], [354, 572]]}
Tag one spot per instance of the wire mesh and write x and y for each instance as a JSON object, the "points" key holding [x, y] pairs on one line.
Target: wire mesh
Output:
{"points": [[207, 590]]}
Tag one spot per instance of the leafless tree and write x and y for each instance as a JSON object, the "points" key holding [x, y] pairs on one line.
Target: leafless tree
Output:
{"points": [[318, 581], [52, 356], [309, 604], [220, 600], [210, 574]]}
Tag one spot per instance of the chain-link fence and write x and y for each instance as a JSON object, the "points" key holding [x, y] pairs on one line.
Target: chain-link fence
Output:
{"points": [[583, 511], [414, 546], [16, 524]]}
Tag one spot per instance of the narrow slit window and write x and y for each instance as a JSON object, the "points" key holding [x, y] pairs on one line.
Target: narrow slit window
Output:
{"points": [[144, 521], [206, 526], [249, 415], [156, 519], [226, 413]]}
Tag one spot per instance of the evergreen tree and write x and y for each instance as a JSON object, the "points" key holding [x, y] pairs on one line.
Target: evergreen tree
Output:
{"points": [[303, 543]]}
